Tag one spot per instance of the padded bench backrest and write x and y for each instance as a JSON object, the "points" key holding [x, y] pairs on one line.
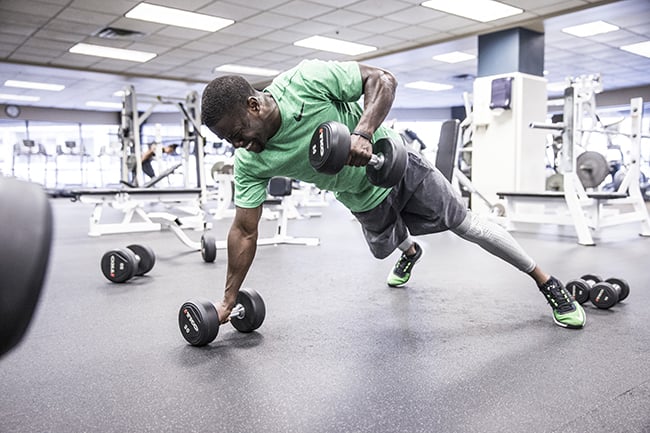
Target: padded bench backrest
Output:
{"points": [[447, 146]]}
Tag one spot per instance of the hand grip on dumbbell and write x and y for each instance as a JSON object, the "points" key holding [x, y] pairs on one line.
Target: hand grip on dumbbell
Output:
{"points": [[329, 150], [122, 264], [199, 323]]}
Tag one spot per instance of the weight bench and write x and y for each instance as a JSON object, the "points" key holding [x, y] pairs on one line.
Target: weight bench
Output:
{"points": [[591, 211], [132, 201]]}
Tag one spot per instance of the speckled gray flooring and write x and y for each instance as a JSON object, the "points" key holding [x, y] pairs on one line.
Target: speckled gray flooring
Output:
{"points": [[468, 346]]}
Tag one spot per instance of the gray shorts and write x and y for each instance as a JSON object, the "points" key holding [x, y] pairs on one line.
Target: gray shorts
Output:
{"points": [[423, 202]]}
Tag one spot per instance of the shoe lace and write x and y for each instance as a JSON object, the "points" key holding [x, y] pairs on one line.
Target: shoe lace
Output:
{"points": [[402, 264], [560, 296]]}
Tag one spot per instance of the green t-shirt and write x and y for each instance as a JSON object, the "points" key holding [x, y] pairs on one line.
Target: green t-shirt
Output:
{"points": [[311, 93]]}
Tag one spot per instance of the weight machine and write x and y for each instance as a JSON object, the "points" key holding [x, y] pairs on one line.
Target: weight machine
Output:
{"points": [[588, 209]]}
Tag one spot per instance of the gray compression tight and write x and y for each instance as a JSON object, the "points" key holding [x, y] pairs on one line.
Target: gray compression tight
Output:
{"points": [[494, 239]]}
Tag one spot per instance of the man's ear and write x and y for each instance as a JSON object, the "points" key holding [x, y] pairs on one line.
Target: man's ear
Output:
{"points": [[253, 103]]}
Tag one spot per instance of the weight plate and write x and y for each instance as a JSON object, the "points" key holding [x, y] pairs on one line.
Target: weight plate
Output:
{"points": [[26, 239], [208, 248], [624, 287], [254, 311], [603, 295], [592, 168], [591, 279], [147, 258], [555, 182], [198, 321], [579, 289], [394, 166], [119, 265], [329, 147]]}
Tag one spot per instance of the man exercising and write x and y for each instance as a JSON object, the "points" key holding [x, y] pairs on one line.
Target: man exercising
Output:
{"points": [[271, 131]]}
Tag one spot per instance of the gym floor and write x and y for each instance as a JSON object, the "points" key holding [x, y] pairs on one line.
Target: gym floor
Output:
{"points": [[468, 346]]}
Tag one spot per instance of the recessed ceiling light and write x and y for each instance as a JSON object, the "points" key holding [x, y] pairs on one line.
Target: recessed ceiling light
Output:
{"points": [[454, 57], [246, 70], [34, 85], [478, 10], [102, 104], [112, 53], [590, 29], [25, 98], [177, 17], [641, 48], [428, 85], [334, 45]]}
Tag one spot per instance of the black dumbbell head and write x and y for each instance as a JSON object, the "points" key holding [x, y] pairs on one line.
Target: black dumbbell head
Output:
{"points": [[208, 248], [579, 289], [254, 311], [119, 265], [147, 258], [394, 166], [591, 279], [198, 321], [329, 147], [623, 286], [603, 295]]}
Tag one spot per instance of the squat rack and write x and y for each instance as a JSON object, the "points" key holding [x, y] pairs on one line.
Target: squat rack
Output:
{"points": [[131, 125]]}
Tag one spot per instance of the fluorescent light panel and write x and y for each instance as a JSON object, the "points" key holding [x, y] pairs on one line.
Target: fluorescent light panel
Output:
{"points": [[454, 57], [177, 17], [641, 48], [477, 10], [34, 85], [25, 98], [334, 45], [590, 29], [102, 104], [428, 85], [112, 53], [246, 70]]}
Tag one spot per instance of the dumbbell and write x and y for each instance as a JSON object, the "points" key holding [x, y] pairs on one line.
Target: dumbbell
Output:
{"points": [[606, 294], [581, 287], [208, 248], [329, 150], [122, 264], [603, 294], [199, 322]]}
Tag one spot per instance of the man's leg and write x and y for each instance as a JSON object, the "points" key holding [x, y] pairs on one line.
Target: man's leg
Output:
{"points": [[497, 241]]}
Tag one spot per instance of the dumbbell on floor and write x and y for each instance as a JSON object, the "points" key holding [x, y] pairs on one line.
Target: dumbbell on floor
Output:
{"points": [[122, 264], [329, 150], [603, 294], [606, 294], [199, 322]]}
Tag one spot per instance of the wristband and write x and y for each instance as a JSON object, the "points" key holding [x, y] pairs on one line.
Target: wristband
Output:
{"points": [[362, 134]]}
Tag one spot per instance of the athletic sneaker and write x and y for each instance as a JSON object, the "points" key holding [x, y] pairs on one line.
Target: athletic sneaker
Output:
{"points": [[402, 270], [567, 312]]}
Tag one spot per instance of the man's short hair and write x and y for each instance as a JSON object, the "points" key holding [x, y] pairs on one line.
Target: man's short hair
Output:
{"points": [[224, 96]]}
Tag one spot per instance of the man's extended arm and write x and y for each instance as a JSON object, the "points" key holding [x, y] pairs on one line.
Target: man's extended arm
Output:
{"points": [[242, 244]]}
